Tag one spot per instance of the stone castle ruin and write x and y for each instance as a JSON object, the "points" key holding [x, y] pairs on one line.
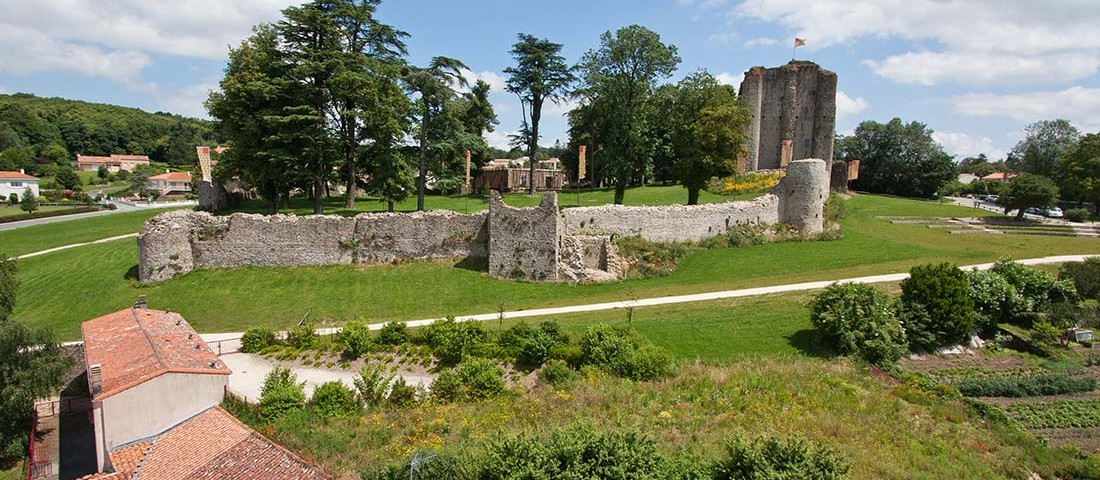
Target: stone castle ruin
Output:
{"points": [[793, 111], [542, 243]]}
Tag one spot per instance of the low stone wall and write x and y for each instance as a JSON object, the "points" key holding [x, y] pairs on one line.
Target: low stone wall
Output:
{"points": [[177, 242], [670, 223]]}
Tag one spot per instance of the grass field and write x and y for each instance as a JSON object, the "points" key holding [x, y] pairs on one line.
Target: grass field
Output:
{"points": [[7, 211], [101, 276], [650, 195], [40, 237]]}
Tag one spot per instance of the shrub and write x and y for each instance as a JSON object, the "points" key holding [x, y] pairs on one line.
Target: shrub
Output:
{"points": [[1045, 332], [1084, 275], [622, 351], [995, 300], [942, 292], [1041, 289], [333, 399], [473, 379], [393, 333], [372, 383], [557, 373], [402, 394], [356, 338], [650, 259], [577, 452], [532, 346], [451, 340], [302, 337], [1077, 214], [281, 393], [857, 319], [773, 458], [256, 339], [1025, 386]]}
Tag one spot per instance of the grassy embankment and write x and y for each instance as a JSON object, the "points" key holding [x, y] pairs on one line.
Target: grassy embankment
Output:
{"points": [[233, 300]]}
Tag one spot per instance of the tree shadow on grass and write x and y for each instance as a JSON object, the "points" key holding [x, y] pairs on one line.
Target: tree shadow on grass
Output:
{"points": [[131, 274], [474, 264], [807, 343]]}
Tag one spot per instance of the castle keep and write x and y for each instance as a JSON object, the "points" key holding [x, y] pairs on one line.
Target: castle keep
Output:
{"points": [[793, 111]]}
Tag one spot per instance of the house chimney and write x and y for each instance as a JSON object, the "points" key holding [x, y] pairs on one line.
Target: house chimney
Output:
{"points": [[141, 303], [95, 378], [21, 171]]}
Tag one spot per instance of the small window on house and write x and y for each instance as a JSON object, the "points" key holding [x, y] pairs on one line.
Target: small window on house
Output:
{"points": [[17, 184]]}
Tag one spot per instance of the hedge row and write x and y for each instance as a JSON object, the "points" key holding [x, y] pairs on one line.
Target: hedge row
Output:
{"points": [[1025, 386], [54, 213]]}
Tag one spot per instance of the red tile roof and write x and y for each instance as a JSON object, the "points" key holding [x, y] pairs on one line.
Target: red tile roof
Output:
{"points": [[127, 460], [113, 159], [16, 175], [130, 158], [177, 176], [133, 346], [999, 176], [215, 445]]}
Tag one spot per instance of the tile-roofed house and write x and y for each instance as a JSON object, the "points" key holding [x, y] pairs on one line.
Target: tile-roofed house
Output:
{"points": [[210, 445], [113, 163], [148, 370], [17, 183], [171, 182], [999, 176]]}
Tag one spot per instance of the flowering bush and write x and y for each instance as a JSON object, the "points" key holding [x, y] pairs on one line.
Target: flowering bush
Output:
{"points": [[751, 182]]}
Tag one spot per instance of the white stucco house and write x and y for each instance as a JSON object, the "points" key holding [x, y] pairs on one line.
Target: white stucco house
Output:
{"points": [[17, 183], [170, 183]]}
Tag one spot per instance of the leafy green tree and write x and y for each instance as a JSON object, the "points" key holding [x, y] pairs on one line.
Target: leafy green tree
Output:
{"points": [[15, 159], [479, 116], [1079, 173], [333, 399], [898, 159], [540, 74], [102, 172], [29, 203], [67, 178], [433, 84], [937, 299], [372, 382], [1043, 145], [1029, 190], [621, 75], [708, 131], [56, 154], [32, 366], [281, 394], [857, 319]]}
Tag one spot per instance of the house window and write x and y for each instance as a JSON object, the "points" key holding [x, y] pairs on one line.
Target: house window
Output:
{"points": [[17, 184]]}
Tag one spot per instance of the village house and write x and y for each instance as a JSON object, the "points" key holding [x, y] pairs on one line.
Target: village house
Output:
{"points": [[510, 175], [171, 183], [113, 163], [17, 183], [156, 388]]}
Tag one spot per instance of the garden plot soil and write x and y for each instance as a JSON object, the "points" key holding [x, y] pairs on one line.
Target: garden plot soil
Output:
{"points": [[1086, 439]]}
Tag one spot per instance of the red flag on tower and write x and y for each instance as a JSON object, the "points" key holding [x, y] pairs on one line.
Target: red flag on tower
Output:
{"points": [[798, 42]]}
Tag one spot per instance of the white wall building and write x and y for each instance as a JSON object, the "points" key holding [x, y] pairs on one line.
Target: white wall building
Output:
{"points": [[17, 183]]}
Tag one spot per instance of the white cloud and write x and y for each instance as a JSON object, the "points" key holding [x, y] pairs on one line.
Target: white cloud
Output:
{"points": [[495, 81], [499, 139], [962, 145], [559, 108], [761, 42], [846, 105], [975, 41], [3, 91], [188, 101], [1080, 105], [727, 78], [24, 51]]}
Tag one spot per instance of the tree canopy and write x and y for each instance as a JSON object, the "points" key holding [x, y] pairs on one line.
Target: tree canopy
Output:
{"points": [[1029, 190], [1043, 145], [897, 159]]}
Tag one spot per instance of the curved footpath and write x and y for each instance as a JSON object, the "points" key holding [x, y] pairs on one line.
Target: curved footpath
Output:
{"points": [[230, 342]]}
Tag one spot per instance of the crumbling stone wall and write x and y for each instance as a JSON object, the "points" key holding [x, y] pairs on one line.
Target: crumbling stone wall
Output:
{"points": [[173, 243], [524, 242], [802, 193], [795, 102], [671, 223], [589, 258]]}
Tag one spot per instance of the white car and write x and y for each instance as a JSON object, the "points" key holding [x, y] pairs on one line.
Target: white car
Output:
{"points": [[1053, 212]]}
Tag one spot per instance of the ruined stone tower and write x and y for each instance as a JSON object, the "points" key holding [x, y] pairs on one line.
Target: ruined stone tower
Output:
{"points": [[795, 102]]}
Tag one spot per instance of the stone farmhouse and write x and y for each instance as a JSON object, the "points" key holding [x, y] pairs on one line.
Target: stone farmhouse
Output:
{"points": [[156, 388], [171, 183], [16, 183], [113, 163]]}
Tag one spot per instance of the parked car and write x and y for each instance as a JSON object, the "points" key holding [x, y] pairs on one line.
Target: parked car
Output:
{"points": [[1053, 212], [992, 198], [1034, 211]]}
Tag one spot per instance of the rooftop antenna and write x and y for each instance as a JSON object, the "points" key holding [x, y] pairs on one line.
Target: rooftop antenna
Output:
{"points": [[416, 460]]}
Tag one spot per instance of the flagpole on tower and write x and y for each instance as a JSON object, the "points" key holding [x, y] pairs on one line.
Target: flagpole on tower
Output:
{"points": [[798, 42]]}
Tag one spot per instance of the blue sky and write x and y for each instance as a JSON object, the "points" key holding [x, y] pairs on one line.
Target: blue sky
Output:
{"points": [[975, 71]]}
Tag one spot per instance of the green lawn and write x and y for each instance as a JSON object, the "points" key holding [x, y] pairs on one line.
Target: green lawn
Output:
{"points": [[40, 237], [100, 276], [650, 195], [7, 211]]}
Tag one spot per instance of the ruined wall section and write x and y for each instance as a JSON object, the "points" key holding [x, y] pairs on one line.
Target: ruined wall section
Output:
{"points": [[524, 242], [795, 102], [671, 223], [245, 239], [387, 237], [164, 245]]}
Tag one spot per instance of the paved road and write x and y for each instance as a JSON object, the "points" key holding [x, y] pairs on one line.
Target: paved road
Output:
{"points": [[230, 342]]}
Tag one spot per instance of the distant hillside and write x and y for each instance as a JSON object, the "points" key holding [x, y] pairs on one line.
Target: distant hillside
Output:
{"points": [[33, 128]]}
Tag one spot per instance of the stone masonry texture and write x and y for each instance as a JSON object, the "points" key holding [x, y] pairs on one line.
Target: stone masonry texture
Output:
{"points": [[524, 242]]}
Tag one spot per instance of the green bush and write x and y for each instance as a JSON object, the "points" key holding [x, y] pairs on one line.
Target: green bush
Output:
{"points": [[280, 394], [650, 259], [1077, 214], [393, 333], [1037, 385], [557, 373], [1041, 289], [402, 394], [356, 338], [774, 459], [256, 339], [624, 352], [532, 346], [473, 379], [577, 452], [995, 300], [942, 293], [1084, 275], [372, 383], [857, 319], [333, 399], [451, 340], [302, 337]]}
